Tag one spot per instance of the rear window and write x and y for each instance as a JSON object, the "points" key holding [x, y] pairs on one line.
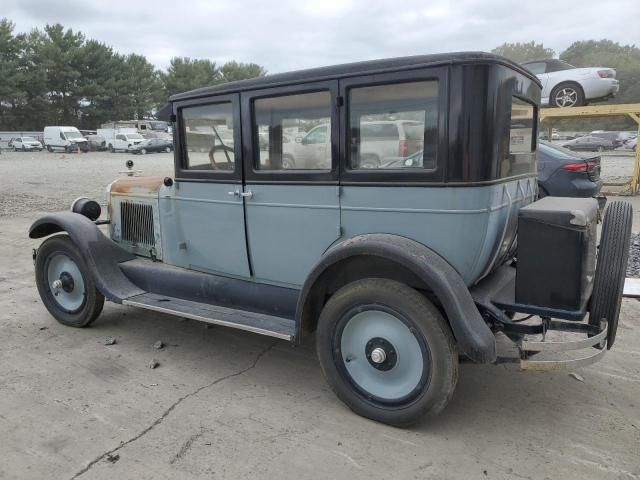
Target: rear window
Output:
{"points": [[522, 141]]}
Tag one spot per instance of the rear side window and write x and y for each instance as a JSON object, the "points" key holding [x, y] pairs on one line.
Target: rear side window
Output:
{"points": [[393, 126], [208, 137], [536, 68], [522, 141], [293, 132]]}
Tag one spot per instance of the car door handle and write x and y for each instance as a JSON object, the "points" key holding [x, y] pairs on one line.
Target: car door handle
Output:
{"points": [[247, 194], [235, 193]]}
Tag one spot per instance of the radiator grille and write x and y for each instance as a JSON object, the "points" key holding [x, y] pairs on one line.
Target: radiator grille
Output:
{"points": [[137, 223]]}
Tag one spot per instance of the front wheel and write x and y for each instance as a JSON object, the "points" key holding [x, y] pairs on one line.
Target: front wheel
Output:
{"points": [[65, 284], [143, 151], [387, 352]]}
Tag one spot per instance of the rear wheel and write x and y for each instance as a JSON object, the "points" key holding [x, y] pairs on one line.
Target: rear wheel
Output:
{"points": [[288, 163], [567, 95], [65, 284], [387, 352], [611, 268]]}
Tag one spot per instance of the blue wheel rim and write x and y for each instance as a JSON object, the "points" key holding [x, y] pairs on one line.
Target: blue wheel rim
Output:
{"points": [[406, 379], [69, 300]]}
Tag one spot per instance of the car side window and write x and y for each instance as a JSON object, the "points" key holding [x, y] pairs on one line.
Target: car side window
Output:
{"points": [[393, 126], [292, 132], [536, 68], [208, 137]]}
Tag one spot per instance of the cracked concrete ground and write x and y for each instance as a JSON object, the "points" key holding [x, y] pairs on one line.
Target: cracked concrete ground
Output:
{"points": [[226, 404]]}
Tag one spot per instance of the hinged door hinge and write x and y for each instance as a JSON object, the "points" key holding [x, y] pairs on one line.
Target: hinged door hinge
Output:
{"points": [[339, 100]]}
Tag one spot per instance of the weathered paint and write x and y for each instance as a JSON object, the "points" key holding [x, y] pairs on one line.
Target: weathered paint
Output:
{"points": [[137, 186]]}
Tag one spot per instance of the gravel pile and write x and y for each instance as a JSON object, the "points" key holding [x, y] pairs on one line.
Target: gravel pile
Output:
{"points": [[633, 265]]}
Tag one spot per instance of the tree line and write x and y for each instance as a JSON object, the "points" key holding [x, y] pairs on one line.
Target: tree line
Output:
{"points": [[56, 76]]}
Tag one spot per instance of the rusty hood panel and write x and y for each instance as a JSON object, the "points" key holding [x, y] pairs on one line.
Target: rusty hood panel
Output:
{"points": [[137, 185]]}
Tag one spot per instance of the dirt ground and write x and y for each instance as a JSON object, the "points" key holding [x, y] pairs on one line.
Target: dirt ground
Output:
{"points": [[233, 405]]}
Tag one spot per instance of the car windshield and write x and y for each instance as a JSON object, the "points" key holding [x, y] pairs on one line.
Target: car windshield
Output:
{"points": [[555, 150], [71, 135], [28, 139]]}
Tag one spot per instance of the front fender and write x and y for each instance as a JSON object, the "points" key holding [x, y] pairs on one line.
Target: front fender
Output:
{"points": [[473, 336], [101, 255]]}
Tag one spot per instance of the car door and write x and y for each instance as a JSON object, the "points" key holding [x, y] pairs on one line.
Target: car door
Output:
{"points": [[292, 214], [202, 214]]}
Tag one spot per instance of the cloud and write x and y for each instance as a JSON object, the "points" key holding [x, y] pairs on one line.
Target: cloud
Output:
{"points": [[289, 34]]}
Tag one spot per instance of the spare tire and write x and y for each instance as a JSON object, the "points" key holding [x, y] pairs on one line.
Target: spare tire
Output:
{"points": [[611, 267]]}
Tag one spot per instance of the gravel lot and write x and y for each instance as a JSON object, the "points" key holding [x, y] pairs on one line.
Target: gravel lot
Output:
{"points": [[226, 404]]}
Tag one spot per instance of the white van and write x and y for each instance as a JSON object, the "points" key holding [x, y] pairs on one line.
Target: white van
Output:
{"points": [[120, 138], [65, 138]]}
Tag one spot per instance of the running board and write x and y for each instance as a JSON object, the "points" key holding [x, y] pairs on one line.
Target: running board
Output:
{"points": [[278, 327]]}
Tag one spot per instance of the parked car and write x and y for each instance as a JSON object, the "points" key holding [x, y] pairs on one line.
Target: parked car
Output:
{"points": [[564, 85], [26, 144], [67, 138], [616, 138], [398, 271], [152, 145], [96, 143], [562, 173], [631, 143], [379, 142], [589, 143]]}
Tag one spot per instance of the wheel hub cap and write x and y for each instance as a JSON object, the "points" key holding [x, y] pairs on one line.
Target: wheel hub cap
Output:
{"points": [[66, 283], [382, 355]]}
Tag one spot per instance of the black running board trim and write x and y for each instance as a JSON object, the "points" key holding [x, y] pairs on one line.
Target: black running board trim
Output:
{"points": [[272, 326]]}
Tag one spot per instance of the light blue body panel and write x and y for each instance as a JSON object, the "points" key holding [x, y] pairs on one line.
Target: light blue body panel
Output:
{"points": [[464, 225], [289, 227], [203, 228]]}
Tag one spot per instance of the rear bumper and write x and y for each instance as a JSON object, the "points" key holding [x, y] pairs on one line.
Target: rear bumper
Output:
{"points": [[600, 88], [557, 344]]}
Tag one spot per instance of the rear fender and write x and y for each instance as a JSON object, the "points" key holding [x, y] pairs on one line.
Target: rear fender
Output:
{"points": [[473, 336], [101, 255]]}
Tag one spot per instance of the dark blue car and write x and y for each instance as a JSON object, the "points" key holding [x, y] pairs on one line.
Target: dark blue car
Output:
{"points": [[563, 173]]}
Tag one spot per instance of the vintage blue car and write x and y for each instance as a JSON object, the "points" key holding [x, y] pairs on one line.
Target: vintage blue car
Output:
{"points": [[398, 266]]}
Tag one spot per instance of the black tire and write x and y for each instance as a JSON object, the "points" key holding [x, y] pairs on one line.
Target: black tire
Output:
{"points": [[49, 149], [93, 299], [288, 162], [168, 149], [440, 359], [569, 86], [611, 268], [143, 151], [542, 192], [111, 149]]}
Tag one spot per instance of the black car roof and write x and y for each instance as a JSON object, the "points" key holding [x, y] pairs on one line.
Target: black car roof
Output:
{"points": [[352, 69]]}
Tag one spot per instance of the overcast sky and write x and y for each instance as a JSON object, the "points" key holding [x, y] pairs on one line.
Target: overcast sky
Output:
{"points": [[291, 34]]}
